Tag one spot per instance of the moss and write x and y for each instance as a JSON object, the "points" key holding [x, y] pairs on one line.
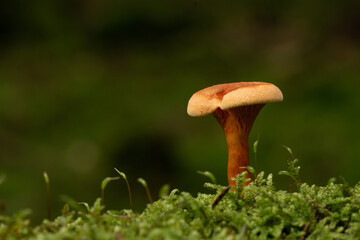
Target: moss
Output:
{"points": [[257, 211]]}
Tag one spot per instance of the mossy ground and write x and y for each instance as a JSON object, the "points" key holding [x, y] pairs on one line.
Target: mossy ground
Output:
{"points": [[258, 211]]}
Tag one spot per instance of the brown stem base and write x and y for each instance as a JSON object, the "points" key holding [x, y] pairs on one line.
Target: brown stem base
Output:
{"points": [[237, 123]]}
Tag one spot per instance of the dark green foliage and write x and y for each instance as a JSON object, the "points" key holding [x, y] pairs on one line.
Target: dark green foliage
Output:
{"points": [[257, 211]]}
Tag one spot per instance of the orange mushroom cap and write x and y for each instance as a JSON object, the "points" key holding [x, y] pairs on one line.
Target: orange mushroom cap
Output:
{"points": [[230, 95]]}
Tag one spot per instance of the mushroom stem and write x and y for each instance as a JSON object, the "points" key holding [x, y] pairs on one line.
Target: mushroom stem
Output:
{"points": [[236, 124]]}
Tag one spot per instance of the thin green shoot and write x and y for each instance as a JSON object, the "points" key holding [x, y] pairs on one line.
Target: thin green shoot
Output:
{"points": [[289, 150], [86, 205], [174, 192], [292, 169], [128, 187], [255, 150], [209, 175], [47, 183], [103, 186], [144, 184]]}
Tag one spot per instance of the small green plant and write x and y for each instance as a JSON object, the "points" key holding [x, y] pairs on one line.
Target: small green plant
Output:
{"points": [[103, 186], [292, 169], [128, 187], [256, 143], [145, 185], [48, 202]]}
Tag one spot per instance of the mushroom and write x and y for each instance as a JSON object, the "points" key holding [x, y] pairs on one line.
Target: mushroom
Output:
{"points": [[235, 106]]}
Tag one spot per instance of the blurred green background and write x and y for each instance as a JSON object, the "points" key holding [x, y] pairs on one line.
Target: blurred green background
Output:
{"points": [[86, 86]]}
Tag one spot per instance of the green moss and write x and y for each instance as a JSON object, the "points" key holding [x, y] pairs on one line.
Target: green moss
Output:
{"points": [[257, 211]]}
